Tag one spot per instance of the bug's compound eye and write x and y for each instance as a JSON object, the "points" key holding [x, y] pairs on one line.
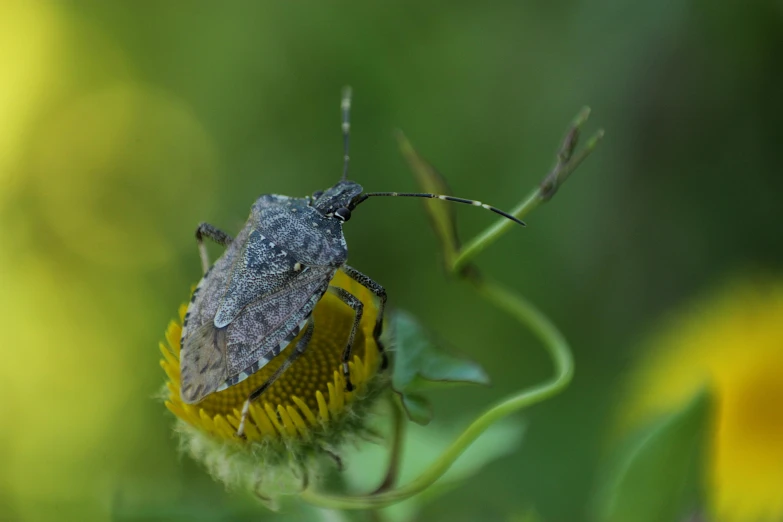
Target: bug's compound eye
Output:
{"points": [[343, 214]]}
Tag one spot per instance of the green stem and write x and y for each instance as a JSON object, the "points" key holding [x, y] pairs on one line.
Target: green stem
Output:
{"points": [[565, 166], [398, 434], [504, 299], [558, 349], [491, 234]]}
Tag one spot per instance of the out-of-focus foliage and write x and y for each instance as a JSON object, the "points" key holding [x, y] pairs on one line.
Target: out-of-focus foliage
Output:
{"points": [[124, 124], [657, 477], [729, 340]]}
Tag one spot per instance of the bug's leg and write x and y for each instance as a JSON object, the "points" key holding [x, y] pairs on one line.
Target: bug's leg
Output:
{"points": [[338, 461], [216, 235], [299, 349], [380, 293], [304, 477], [259, 492], [358, 308]]}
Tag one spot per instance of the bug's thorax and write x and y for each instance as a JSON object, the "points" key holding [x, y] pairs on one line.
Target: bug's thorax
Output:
{"points": [[290, 234], [337, 197]]}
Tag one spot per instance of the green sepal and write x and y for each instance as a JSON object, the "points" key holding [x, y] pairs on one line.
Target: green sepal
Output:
{"points": [[658, 475], [421, 364], [441, 214]]}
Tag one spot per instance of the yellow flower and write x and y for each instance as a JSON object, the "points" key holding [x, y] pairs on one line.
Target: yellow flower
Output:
{"points": [[306, 412], [734, 344]]}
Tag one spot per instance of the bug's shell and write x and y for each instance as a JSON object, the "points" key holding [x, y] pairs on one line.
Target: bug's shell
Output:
{"points": [[259, 294]]}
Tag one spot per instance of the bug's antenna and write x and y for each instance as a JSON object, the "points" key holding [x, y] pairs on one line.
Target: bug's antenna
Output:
{"points": [[345, 106], [362, 197]]}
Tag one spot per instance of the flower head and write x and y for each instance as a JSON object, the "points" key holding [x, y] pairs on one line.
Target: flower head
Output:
{"points": [[305, 414], [734, 343]]}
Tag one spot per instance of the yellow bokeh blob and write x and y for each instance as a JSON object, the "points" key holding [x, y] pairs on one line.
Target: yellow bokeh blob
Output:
{"points": [[118, 168], [30, 37], [732, 342]]}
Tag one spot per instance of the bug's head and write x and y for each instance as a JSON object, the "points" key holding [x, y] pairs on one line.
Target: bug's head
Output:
{"points": [[336, 201], [339, 201]]}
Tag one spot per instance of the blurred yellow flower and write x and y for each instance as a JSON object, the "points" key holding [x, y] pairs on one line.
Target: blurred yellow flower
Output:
{"points": [[31, 38], [733, 342], [306, 411], [139, 152]]}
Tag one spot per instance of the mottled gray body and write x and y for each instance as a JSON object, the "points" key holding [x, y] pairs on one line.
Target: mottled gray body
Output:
{"points": [[260, 293]]}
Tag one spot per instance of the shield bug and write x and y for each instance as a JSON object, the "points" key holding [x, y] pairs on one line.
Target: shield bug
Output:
{"points": [[260, 294]]}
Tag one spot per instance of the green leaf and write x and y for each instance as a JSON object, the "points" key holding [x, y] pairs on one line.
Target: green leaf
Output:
{"points": [[659, 473], [420, 364], [441, 215]]}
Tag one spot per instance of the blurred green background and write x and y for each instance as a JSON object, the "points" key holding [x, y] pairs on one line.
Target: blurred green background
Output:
{"points": [[123, 125]]}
